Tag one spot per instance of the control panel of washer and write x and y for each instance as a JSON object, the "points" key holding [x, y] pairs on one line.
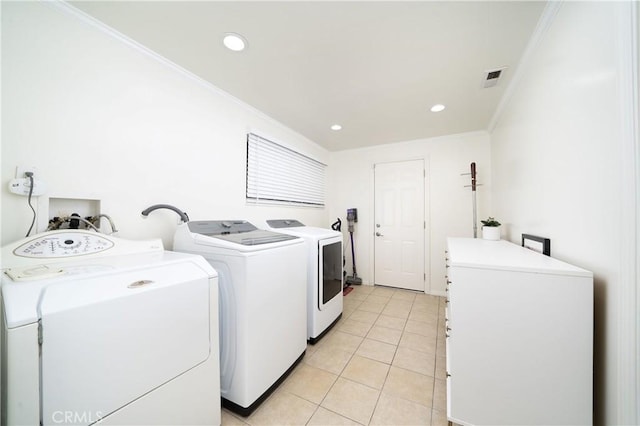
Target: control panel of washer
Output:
{"points": [[66, 244]]}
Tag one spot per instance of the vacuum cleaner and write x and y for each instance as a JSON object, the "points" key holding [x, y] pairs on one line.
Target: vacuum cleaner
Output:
{"points": [[352, 218], [337, 226]]}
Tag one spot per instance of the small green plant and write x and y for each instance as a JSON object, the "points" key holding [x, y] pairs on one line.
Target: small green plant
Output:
{"points": [[490, 222]]}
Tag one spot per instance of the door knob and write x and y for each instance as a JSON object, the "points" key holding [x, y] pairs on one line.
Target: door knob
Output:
{"points": [[379, 234], [377, 225]]}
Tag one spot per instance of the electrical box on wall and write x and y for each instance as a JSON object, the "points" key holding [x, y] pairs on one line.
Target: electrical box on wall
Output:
{"points": [[62, 209], [352, 215], [27, 182]]}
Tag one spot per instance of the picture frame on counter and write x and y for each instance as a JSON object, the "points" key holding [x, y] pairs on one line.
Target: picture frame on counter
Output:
{"points": [[535, 243]]}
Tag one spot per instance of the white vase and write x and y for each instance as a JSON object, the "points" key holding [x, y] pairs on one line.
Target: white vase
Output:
{"points": [[491, 233]]}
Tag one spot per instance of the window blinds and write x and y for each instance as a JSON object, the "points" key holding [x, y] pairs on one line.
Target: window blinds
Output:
{"points": [[276, 174]]}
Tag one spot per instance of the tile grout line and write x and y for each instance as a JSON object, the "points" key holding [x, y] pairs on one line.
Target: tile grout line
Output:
{"points": [[435, 366], [342, 371], [411, 306], [388, 371]]}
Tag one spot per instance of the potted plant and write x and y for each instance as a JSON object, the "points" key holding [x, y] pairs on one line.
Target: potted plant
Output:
{"points": [[490, 229]]}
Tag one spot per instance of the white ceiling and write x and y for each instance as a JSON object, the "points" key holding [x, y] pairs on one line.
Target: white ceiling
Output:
{"points": [[375, 68]]}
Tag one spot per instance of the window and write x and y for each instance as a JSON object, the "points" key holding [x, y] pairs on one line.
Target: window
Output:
{"points": [[276, 174]]}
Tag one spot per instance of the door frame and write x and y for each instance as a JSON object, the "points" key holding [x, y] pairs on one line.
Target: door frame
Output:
{"points": [[426, 213]]}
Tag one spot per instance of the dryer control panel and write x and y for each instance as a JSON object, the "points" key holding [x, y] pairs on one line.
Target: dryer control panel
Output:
{"points": [[67, 244], [284, 223]]}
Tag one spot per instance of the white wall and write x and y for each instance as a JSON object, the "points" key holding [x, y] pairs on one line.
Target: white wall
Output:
{"points": [[102, 119], [562, 156], [448, 203]]}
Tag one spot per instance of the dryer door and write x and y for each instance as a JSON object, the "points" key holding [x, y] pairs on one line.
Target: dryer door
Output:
{"points": [[329, 270], [110, 339]]}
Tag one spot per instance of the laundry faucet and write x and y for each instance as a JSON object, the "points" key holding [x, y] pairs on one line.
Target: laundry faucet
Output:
{"points": [[180, 213]]}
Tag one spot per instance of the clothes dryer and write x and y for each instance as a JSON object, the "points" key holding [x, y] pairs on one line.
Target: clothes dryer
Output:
{"points": [[324, 274], [101, 329], [262, 281]]}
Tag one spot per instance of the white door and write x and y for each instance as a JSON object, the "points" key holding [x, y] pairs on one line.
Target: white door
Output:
{"points": [[399, 224]]}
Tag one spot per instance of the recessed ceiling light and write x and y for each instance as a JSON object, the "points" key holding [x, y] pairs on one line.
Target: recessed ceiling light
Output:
{"points": [[336, 127], [437, 108], [234, 42]]}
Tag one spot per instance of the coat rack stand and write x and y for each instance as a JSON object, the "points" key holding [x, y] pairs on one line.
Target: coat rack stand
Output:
{"points": [[473, 186]]}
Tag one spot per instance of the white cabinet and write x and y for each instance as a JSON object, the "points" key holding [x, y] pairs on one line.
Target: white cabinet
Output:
{"points": [[519, 336]]}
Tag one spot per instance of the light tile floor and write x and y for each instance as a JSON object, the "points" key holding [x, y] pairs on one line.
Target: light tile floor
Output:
{"points": [[383, 363]]}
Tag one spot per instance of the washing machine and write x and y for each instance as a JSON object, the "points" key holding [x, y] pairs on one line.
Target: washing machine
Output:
{"points": [[102, 329], [263, 293], [324, 274]]}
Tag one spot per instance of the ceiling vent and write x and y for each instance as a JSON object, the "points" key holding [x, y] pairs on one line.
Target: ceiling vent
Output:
{"points": [[491, 77]]}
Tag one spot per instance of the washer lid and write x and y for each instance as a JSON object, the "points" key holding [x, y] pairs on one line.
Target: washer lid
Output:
{"points": [[237, 231], [21, 297], [255, 238]]}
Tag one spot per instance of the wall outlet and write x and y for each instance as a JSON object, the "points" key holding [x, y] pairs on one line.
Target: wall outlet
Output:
{"points": [[21, 170]]}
